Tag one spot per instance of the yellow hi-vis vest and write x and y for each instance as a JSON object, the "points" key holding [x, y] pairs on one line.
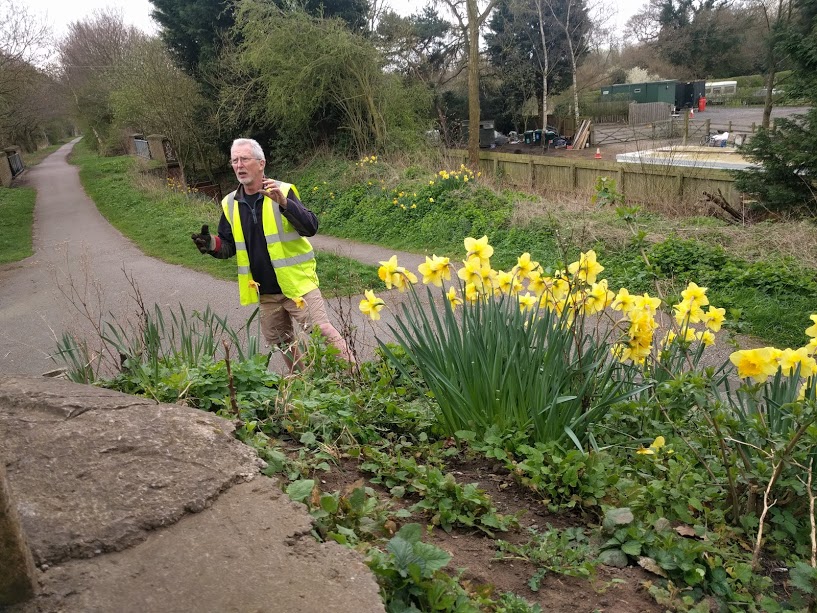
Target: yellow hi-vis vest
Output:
{"points": [[291, 254]]}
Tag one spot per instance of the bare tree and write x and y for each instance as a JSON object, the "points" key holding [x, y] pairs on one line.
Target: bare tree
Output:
{"points": [[470, 20], [573, 16], [776, 15], [87, 54]]}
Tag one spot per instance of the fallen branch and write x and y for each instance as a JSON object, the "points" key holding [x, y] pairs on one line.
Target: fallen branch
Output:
{"points": [[723, 203]]}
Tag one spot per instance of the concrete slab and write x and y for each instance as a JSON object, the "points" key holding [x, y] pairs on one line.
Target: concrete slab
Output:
{"points": [[130, 505], [716, 158]]}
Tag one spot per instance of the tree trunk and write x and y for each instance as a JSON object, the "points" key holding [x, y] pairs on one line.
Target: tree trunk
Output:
{"points": [[473, 85], [545, 71], [767, 99]]}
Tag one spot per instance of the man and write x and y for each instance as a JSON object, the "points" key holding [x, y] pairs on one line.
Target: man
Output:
{"points": [[263, 224]]}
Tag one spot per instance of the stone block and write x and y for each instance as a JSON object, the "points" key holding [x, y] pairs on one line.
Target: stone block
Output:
{"points": [[18, 577]]}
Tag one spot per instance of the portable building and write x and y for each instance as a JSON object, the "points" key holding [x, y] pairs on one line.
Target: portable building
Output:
{"points": [[677, 93]]}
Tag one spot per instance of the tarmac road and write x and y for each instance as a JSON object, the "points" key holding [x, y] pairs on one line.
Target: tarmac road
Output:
{"points": [[73, 241]]}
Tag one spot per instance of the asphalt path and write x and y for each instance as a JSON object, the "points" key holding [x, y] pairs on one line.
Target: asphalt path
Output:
{"points": [[76, 251]]}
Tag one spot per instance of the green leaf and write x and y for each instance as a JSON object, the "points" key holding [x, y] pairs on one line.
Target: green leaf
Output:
{"points": [[434, 557], [300, 490], [411, 533], [804, 577], [329, 503], [308, 438], [631, 548], [404, 555]]}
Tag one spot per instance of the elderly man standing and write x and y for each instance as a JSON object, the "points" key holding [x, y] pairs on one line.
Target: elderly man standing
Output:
{"points": [[264, 224]]}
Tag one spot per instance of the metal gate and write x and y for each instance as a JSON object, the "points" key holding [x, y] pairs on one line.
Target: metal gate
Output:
{"points": [[142, 148], [16, 163]]}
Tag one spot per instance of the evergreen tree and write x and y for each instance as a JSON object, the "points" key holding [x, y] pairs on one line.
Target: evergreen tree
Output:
{"points": [[787, 181]]}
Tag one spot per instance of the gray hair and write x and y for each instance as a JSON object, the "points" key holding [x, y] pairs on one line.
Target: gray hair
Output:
{"points": [[257, 151]]}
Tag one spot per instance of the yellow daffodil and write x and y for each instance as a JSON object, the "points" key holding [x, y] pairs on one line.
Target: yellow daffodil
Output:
{"points": [[471, 270], [472, 293], [524, 266], [597, 298], [371, 305], [479, 248], [790, 358], [387, 270], [507, 282], [654, 447], [696, 295], [527, 301], [812, 330], [811, 348], [758, 364], [453, 298], [688, 311], [713, 318], [536, 282], [647, 303], [299, 302], [706, 337], [434, 270], [255, 285], [623, 302], [587, 269]]}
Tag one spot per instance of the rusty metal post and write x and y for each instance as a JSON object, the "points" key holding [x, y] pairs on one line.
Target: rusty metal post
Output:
{"points": [[18, 577]]}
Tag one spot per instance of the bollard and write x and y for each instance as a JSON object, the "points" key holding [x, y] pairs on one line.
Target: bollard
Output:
{"points": [[18, 578]]}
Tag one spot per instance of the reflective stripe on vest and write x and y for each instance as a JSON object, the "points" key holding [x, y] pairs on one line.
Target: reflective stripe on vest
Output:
{"points": [[290, 254]]}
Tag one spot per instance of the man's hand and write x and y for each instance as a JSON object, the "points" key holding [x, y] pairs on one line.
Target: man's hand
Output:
{"points": [[204, 241], [272, 189]]}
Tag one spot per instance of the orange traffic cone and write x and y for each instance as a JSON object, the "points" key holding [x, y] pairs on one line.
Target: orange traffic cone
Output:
{"points": [[598, 154]]}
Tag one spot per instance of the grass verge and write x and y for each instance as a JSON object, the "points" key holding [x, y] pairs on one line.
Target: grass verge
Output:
{"points": [[17, 207], [160, 222]]}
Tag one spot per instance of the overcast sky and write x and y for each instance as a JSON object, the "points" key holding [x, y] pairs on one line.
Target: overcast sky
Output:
{"points": [[59, 13]]}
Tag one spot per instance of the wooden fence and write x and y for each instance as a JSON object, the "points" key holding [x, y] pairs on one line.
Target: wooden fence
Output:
{"points": [[649, 112], [647, 183]]}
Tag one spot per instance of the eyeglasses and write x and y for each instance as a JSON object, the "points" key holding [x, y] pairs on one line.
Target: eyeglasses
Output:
{"points": [[245, 161]]}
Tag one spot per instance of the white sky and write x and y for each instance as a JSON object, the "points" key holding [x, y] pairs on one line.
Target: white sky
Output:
{"points": [[59, 13]]}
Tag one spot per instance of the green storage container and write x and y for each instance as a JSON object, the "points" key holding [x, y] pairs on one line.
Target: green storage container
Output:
{"points": [[537, 136], [528, 137]]}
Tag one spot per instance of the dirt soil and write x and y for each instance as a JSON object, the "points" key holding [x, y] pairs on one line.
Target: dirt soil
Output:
{"points": [[612, 590]]}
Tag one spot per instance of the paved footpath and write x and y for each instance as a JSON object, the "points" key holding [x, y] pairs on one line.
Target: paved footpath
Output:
{"points": [[72, 240]]}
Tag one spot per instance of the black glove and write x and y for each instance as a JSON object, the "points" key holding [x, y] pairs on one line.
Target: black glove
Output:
{"points": [[204, 241]]}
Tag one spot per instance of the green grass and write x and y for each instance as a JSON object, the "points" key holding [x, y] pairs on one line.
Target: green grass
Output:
{"points": [[17, 210], [160, 222]]}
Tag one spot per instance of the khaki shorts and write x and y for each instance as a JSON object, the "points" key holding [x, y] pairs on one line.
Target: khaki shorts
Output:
{"points": [[279, 313]]}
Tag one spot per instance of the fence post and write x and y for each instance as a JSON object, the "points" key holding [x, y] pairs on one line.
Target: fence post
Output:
{"points": [[709, 126], [754, 127], [621, 183], [729, 129], [496, 168], [574, 175], [679, 185], [530, 173], [18, 581], [686, 128]]}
